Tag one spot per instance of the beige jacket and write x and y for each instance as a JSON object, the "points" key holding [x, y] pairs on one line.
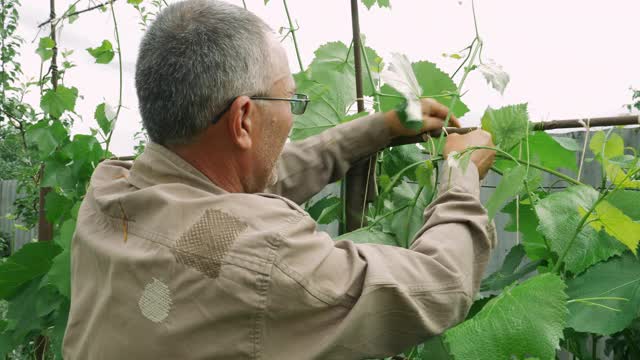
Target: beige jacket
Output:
{"points": [[166, 265]]}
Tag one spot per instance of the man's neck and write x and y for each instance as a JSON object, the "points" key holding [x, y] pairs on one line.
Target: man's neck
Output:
{"points": [[219, 168]]}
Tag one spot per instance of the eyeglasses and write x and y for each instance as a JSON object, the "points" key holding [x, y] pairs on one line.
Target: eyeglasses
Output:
{"points": [[298, 103]]}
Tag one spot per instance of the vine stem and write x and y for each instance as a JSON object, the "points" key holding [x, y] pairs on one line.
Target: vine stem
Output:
{"points": [[115, 119], [584, 148], [292, 30], [411, 210], [524, 162], [454, 100]]}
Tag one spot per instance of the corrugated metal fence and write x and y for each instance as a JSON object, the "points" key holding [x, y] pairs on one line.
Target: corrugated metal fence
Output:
{"points": [[18, 237]]}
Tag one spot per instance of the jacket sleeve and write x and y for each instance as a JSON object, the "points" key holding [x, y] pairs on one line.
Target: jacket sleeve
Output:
{"points": [[307, 166], [369, 300]]}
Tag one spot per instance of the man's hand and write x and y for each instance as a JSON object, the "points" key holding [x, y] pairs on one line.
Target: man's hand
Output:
{"points": [[482, 158], [433, 117]]}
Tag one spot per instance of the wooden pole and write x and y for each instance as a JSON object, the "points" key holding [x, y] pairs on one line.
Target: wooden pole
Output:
{"points": [[360, 186], [624, 120], [45, 228]]}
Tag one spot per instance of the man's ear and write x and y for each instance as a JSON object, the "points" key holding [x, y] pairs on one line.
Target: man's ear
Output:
{"points": [[239, 122]]}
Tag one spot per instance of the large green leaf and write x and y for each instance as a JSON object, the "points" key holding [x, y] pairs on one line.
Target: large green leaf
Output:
{"points": [[28, 263], [325, 110], [399, 157], [532, 240], [103, 54], [434, 83], [406, 223], [510, 185], [510, 270], [627, 201], [58, 174], [22, 315], [326, 210], [46, 137], [525, 320], [55, 102], [103, 120], [559, 216], [56, 206], [507, 125], [615, 223], [60, 272], [334, 66], [45, 48], [86, 152], [610, 148], [369, 236], [617, 278], [548, 152]]}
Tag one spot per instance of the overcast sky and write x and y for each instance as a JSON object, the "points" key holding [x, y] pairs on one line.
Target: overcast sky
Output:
{"points": [[567, 59]]}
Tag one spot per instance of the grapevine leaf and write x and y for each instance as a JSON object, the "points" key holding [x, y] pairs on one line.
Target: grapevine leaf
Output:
{"points": [[46, 138], [495, 75], [59, 327], [550, 151], [425, 174], [399, 75], [613, 147], [86, 152], [434, 349], [507, 125], [56, 205], [510, 185], [59, 274], [58, 174], [525, 320], [22, 314], [532, 240], [510, 271], [399, 157], [334, 66], [31, 261], [406, 223], [326, 210], [55, 102], [617, 278], [325, 110], [70, 13], [138, 2], [104, 116], [434, 83], [103, 54], [381, 3], [612, 220], [607, 150], [45, 48], [627, 201], [369, 236], [559, 217], [568, 143]]}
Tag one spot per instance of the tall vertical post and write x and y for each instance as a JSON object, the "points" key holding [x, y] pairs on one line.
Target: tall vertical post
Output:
{"points": [[360, 180], [45, 228]]}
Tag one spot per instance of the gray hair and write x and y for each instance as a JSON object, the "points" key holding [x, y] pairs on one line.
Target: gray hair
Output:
{"points": [[195, 58]]}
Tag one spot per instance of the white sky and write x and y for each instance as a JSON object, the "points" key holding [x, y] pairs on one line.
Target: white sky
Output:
{"points": [[566, 58]]}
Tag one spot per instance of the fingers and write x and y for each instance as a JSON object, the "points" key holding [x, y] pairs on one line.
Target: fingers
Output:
{"points": [[433, 108]]}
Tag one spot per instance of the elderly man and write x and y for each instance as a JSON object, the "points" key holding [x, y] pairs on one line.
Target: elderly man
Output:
{"points": [[200, 249]]}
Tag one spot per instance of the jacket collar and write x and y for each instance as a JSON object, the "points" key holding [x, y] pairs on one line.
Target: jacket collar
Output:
{"points": [[158, 165]]}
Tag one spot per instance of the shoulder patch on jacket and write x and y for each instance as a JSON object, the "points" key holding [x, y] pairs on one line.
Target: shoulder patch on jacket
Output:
{"points": [[207, 241]]}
